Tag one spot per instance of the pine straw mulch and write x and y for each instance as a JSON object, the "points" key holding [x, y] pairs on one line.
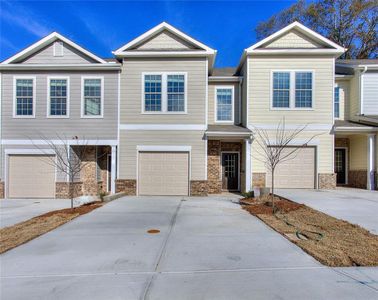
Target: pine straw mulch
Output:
{"points": [[18, 234], [333, 242]]}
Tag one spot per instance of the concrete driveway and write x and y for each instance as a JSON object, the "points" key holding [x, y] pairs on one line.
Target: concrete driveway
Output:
{"points": [[13, 211], [356, 206], [207, 248]]}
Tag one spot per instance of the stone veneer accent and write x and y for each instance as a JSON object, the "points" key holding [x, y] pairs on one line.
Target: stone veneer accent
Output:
{"points": [[327, 181], [357, 178], [62, 190], [198, 188], [127, 186], [214, 169], [2, 191], [88, 173], [258, 180]]}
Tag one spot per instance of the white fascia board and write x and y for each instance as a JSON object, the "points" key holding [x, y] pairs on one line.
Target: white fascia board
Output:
{"points": [[164, 53], [356, 129], [108, 66], [173, 127], [60, 142], [226, 133], [47, 40], [289, 51], [155, 30], [307, 31], [225, 78], [164, 148]]}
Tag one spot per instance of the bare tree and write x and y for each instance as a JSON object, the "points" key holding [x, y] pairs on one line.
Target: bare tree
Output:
{"points": [[272, 149], [69, 158]]}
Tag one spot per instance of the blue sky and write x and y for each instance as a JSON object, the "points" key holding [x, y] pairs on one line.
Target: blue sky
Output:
{"points": [[103, 26]]}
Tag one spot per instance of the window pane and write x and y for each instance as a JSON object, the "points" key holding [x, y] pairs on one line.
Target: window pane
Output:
{"points": [[224, 104], [92, 97], [303, 89], [58, 97], [281, 89], [337, 102], [24, 97], [176, 92], [152, 92]]}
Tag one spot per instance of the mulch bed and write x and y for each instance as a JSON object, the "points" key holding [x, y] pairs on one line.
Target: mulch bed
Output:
{"points": [[331, 241], [18, 234]]}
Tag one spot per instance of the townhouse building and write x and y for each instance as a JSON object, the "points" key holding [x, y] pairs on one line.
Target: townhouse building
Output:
{"points": [[159, 119]]}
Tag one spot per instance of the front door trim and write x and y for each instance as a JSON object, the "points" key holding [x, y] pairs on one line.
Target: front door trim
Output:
{"points": [[221, 169], [346, 162]]}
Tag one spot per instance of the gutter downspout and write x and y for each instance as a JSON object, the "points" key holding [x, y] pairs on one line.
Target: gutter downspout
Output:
{"points": [[362, 90]]}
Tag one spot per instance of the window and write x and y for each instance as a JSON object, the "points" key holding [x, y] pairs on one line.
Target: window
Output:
{"points": [[292, 90], [24, 97], [58, 97], [164, 93], [152, 93], [176, 92], [281, 89], [303, 89], [224, 104], [337, 102], [92, 97]]}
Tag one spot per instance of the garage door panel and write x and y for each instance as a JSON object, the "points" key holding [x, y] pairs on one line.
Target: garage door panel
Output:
{"points": [[31, 176], [297, 172], [163, 173]]}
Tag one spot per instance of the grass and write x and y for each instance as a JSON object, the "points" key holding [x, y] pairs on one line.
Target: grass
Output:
{"points": [[18, 234], [331, 241]]}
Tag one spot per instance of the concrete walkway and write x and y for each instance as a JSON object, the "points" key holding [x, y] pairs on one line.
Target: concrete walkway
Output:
{"points": [[356, 206], [13, 211], [207, 248]]}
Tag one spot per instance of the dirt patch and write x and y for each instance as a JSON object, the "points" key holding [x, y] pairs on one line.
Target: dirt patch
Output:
{"points": [[331, 241], [18, 234]]}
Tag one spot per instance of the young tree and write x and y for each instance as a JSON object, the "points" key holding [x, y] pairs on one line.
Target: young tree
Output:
{"points": [[276, 148], [69, 159], [349, 23]]}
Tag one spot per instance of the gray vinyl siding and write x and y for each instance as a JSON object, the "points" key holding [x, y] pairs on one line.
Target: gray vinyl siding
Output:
{"points": [[132, 89], [370, 93], [84, 128], [165, 40], [129, 140], [70, 56]]}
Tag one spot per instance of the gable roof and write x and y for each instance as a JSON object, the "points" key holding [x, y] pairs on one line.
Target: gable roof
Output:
{"points": [[155, 31], [52, 37]]}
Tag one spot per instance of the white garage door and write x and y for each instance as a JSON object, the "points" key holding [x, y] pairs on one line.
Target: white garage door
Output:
{"points": [[163, 173], [31, 176], [298, 172]]}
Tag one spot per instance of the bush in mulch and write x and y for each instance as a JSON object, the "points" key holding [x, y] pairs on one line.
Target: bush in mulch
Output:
{"points": [[331, 241], [18, 234]]}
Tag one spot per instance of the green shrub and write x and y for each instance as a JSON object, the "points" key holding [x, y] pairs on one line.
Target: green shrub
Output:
{"points": [[249, 194]]}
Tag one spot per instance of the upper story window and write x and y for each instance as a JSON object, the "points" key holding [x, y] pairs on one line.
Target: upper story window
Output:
{"points": [[224, 104], [24, 97], [92, 97], [337, 102], [164, 93], [292, 90], [58, 97]]}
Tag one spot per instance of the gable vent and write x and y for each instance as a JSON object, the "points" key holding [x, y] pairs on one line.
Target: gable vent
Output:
{"points": [[58, 48]]}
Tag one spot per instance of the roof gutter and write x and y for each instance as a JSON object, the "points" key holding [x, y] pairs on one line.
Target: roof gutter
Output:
{"points": [[58, 67]]}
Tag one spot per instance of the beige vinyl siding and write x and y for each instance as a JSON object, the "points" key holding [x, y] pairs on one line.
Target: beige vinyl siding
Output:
{"points": [[324, 151], [244, 89], [211, 107], [293, 39], [132, 89], [129, 140], [358, 152], [260, 70], [32, 128], [70, 56], [165, 40], [354, 100], [370, 93], [344, 91]]}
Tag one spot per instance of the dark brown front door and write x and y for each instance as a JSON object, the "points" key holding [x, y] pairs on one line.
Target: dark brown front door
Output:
{"points": [[340, 165], [230, 171]]}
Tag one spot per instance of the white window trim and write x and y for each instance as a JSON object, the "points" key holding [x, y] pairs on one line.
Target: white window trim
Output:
{"points": [[164, 94], [83, 116], [48, 112], [232, 88], [15, 97], [292, 90]]}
